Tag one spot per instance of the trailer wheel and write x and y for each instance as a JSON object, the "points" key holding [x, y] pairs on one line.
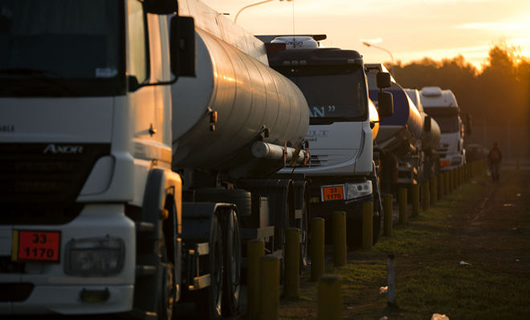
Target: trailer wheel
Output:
{"points": [[304, 233], [209, 299], [232, 278]]}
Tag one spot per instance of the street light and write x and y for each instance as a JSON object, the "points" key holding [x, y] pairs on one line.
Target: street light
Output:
{"points": [[380, 48], [253, 5]]}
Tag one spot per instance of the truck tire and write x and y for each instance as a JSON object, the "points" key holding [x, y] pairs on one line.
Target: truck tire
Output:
{"points": [[166, 299], [209, 300], [232, 265]]}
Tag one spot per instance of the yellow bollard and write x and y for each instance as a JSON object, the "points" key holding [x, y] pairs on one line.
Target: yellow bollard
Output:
{"points": [[415, 199], [292, 263], [388, 214], [329, 298], [402, 199], [433, 189], [339, 239], [255, 250], [368, 225], [317, 248], [425, 196], [269, 288], [446, 183], [440, 185]]}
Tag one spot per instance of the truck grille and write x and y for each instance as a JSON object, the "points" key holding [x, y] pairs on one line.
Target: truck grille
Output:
{"points": [[40, 182]]}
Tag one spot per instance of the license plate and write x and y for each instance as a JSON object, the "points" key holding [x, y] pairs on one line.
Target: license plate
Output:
{"points": [[330, 193], [41, 246]]}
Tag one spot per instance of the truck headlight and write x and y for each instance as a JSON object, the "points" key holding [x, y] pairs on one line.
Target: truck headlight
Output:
{"points": [[94, 257], [357, 190]]}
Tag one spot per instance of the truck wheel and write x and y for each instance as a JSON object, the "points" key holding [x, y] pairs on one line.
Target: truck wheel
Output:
{"points": [[166, 299], [232, 267], [209, 299]]}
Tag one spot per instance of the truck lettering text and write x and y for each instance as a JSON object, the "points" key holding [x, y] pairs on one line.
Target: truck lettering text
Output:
{"points": [[320, 111], [65, 149]]}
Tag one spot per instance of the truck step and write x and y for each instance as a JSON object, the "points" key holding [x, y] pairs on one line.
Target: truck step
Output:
{"points": [[145, 270], [144, 227]]}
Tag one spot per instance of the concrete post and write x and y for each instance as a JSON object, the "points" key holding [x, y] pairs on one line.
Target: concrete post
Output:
{"points": [[391, 272]]}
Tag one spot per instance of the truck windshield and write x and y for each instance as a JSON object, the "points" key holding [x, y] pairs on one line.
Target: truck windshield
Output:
{"points": [[61, 47], [333, 93], [448, 123], [447, 117]]}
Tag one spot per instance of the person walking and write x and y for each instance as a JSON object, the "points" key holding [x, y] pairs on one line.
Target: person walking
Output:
{"points": [[494, 161]]}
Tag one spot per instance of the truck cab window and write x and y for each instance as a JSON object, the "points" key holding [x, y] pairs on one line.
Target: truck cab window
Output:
{"points": [[60, 47], [334, 94], [137, 40]]}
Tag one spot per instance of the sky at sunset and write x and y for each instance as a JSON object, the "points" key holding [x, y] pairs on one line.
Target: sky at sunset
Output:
{"points": [[409, 29]]}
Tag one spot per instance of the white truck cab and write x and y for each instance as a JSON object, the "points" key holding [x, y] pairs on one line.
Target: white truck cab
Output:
{"points": [[443, 107]]}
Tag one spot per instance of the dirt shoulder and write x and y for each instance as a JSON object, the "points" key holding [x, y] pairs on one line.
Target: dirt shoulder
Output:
{"points": [[467, 257]]}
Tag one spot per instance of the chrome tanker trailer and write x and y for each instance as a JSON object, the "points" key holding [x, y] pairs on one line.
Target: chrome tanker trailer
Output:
{"points": [[430, 137], [398, 143], [233, 127]]}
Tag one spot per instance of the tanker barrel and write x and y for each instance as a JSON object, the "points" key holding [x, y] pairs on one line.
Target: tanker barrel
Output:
{"points": [[264, 150]]}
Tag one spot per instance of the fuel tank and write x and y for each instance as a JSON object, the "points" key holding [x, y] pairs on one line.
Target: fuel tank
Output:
{"points": [[404, 127], [234, 102], [430, 136]]}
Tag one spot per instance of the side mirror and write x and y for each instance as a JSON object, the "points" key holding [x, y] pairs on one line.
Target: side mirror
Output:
{"points": [[469, 122], [383, 80], [427, 124], [385, 104], [182, 47]]}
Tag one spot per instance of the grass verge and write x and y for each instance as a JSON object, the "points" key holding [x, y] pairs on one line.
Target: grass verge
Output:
{"points": [[492, 283]]}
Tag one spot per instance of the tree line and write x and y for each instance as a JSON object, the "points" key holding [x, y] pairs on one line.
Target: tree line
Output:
{"points": [[496, 96], [500, 92]]}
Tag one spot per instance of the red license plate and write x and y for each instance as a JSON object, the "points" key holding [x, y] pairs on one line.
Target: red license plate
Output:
{"points": [[37, 245], [332, 193]]}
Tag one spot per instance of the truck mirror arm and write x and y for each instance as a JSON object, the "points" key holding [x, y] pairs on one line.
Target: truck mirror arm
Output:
{"points": [[133, 84]]}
